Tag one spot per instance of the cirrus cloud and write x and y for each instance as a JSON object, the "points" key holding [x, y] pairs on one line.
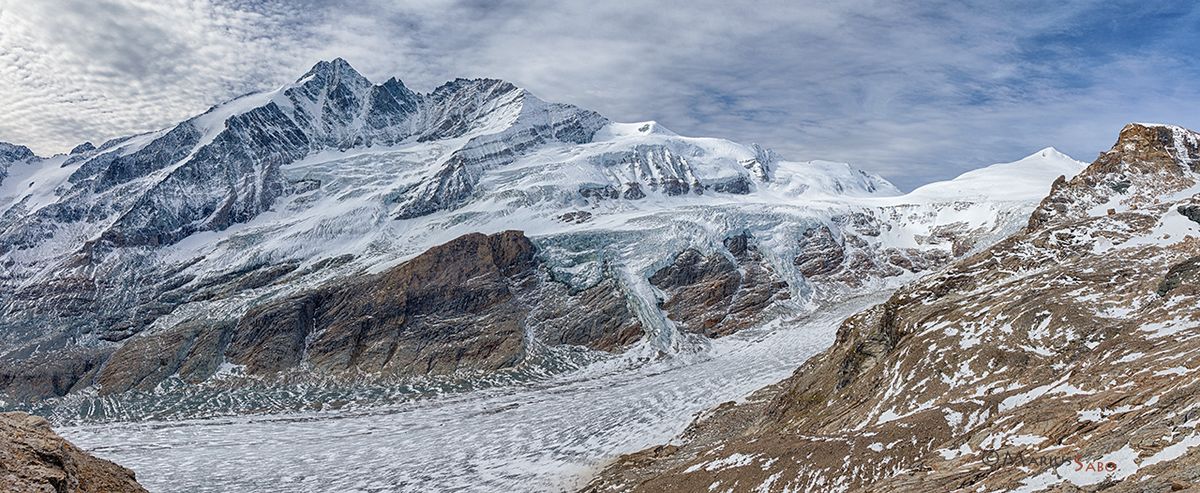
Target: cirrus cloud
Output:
{"points": [[914, 91]]}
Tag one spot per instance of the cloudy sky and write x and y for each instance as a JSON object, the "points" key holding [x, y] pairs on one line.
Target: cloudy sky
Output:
{"points": [[915, 91]]}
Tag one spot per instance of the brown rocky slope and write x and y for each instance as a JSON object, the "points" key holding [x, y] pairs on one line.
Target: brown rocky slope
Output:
{"points": [[33, 459], [464, 305], [1064, 358]]}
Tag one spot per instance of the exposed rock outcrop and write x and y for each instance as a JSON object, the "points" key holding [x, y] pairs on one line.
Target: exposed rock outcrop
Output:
{"points": [[51, 371], [33, 459], [722, 292], [464, 305], [820, 254], [10, 154], [452, 307], [1147, 162]]}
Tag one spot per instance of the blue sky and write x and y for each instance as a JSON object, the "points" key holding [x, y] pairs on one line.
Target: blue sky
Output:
{"points": [[915, 91]]}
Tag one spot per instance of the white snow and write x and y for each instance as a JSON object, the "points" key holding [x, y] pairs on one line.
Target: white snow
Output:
{"points": [[1025, 180], [212, 122], [1178, 370], [1168, 328], [35, 185], [1173, 451]]}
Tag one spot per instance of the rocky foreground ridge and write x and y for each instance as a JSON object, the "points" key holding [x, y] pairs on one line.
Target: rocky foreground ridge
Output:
{"points": [[33, 459], [1064, 358]]}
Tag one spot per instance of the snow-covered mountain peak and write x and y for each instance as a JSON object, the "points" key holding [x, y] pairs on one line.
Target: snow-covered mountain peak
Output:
{"points": [[827, 179], [82, 148], [12, 152], [1051, 152], [330, 70], [649, 127], [1149, 163], [483, 88], [1022, 180], [335, 79]]}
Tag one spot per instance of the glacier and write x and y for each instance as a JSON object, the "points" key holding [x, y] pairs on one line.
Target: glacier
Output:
{"points": [[333, 177]]}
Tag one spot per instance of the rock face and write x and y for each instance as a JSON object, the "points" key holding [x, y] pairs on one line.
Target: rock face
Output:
{"points": [[10, 153], [1147, 162], [716, 295], [467, 305], [36, 460], [453, 307], [820, 254], [51, 373], [1070, 346]]}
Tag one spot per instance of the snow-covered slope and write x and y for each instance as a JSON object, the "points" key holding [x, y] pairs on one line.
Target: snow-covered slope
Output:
{"points": [[994, 201], [1022, 180]]}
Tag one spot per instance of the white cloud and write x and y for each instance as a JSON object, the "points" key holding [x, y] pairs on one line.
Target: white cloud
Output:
{"points": [[916, 92], [77, 70]]}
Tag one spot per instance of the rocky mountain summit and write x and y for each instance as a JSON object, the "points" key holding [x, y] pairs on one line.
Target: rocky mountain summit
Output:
{"points": [[36, 460], [338, 241], [1062, 358]]}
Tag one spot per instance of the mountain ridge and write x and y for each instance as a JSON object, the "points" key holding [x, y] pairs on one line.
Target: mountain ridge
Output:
{"points": [[267, 206]]}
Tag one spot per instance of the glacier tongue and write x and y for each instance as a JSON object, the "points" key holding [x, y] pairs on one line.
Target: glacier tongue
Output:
{"points": [[867, 244], [542, 437]]}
